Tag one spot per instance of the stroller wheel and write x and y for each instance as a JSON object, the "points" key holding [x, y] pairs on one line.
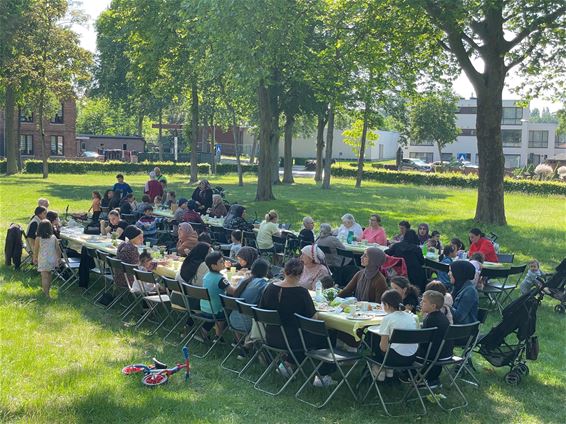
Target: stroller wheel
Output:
{"points": [[560, 309], [512, 377], [522, 369]]}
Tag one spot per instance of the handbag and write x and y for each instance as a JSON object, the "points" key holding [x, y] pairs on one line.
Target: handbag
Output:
{"points": [[532, 348]]}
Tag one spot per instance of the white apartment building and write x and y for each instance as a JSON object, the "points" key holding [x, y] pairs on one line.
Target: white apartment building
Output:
{"points": [[524, 142]]}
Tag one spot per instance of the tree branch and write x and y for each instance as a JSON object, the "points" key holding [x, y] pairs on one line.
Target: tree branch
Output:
{"points": [[534, 26], [537, 36]]}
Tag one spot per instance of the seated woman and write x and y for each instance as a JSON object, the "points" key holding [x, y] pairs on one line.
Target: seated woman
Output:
{"points": [[478, 243], [202, 195], [193, 268], [105, 202], [409, 250], [246, 256], [95, 207], [400, 354], [375, 233], [191, 214], [128, 251], [114, 225], [250, 290], [368, 284], [288, 298], [315, 267], [187, 238], [409, 293], [349, 224], [404, 226], [326, 239], [423, 233], [128, 204], [434, 241], [145, 202], [235, 220], [218, 208], [306, 235], [267, 229], [465, 295]]}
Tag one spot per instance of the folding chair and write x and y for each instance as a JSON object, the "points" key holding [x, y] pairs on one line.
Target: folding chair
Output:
{"points": [[99, 269], [456, 365], [325, 249], [154, 300], [344, 254], [508, 289], [250, 239], [68, 272], [198, 227], [117, 269], [198, 294], [247, 310], [102, 265], [271, 319], [436, 267], [327, 355], [505, 258], [130, 218], [136, 292], [414, 371], [495, 287], [178, 300], [230, 305]]}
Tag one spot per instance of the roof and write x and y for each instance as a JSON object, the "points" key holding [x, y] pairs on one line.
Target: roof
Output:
{"points": [[116, 137]]}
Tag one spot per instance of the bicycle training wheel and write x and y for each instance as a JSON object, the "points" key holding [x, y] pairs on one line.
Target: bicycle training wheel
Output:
{"points": [[153, 380]]}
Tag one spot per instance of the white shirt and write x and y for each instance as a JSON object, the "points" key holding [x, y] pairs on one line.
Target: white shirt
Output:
{"points": [[402, 321], [356, 229]]}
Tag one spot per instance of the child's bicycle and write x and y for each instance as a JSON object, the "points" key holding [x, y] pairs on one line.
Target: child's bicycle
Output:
{"points": [[158, 373]]}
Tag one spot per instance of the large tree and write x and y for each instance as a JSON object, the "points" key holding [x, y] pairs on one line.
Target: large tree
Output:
{"points": [[503, 34]]}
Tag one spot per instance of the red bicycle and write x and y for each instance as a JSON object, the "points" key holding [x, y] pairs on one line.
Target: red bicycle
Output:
{"points": [[158, 373]]}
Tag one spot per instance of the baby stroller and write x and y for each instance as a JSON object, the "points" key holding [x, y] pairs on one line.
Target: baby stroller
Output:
{"points": [[554, 286], [513, 341]]}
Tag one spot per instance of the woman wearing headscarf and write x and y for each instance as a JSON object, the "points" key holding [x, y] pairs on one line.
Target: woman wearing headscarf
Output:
{"points": [[235, 220], [315, 266], [409, 250], [250, 290], [368, 284], [465, 295], [218, 208], [203, 195], [128, 252], [188, 238], [191, 214], [326, 239], [423, 233], [246, 256], [194, 268]]}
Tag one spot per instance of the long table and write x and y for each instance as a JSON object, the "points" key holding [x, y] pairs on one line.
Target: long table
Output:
{"points": [[168, 213]]}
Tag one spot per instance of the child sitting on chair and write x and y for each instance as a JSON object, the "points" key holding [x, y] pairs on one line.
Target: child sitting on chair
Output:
{"points": [[236, 245], [438, 286], [477, 259], [148, 224], [532, 274]]}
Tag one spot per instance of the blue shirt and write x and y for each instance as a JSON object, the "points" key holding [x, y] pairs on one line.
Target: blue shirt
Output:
{"points": [[215, 283], [251, 294], [123, 187], [443, 277], [466, 303]]}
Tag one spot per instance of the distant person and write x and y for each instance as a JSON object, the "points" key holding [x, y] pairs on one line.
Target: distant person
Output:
{"points": [[108, 195], [181, 209], [375, 233], [187, 238], [114, 225], [267, 229], [122, 186], [170, 199], [153, 188], [218, 208], [349, 224], [191, 214], [127, 204], [236, 245], [404, 226], [96, 207], [235, 220], [148, 224], [43, 202], [46, 254], [423, 233], [306, 235], [159, 176], [409, 250], [39, 215], [202, 195], [326, 239], [369, 284], [532, 274], [145, 202], [465, 295], [478, 243]]}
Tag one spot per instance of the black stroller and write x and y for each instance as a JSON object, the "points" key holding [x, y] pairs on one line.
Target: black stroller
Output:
{"points": [[555, 286], [513, 341]]}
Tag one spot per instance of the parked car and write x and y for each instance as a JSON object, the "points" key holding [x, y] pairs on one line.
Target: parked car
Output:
{"points": [[468, 165], [91, 155], [409, 164]]}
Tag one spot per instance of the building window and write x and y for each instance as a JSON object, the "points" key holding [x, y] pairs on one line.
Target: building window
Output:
{"points": [[83, 146], [124, 147], [512, 116], [26, 115], [26, 145], [536, 159], [56, 145], [58, 118], [560, 141], [427, 157], [467, 110], [538, 138], [511, 138], [512, 161], [446, 157], [468, 132], [421, 143]]}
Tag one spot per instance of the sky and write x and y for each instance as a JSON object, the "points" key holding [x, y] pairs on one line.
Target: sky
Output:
{"points": [[462, 86]]}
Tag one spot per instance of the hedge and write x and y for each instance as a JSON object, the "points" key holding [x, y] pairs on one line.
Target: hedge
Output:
{"points": [[449, 179], [3, 166]]}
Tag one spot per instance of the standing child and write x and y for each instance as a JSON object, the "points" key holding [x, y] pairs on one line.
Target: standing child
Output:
{"points": [[432, 302], [532, 274], [236, 238], [96, 205], [46, 254]]}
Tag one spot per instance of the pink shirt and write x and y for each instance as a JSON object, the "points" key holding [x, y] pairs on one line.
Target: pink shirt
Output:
{"points": [[375, 236]]}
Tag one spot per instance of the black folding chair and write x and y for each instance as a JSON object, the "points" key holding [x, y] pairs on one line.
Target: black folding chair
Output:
{"points": [[494, 289], [272, 320], [135, 289], [344, 254], [154, 299], [505, 258], [198, 227], [247, 310], [508, 289], [230, 305], [435, 266], [101, 270], [179, 302], [117, 269], [416, 371], [344, 361], [130, 218], [250, 239], [325, 249]]}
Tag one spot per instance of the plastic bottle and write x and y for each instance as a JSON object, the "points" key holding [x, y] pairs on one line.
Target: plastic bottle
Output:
{"points": [[425, 250], [318, 297], [350, 237]]}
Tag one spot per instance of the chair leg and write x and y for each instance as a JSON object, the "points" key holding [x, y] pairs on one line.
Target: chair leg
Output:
{"points": [[236, 346], [181, 320]]}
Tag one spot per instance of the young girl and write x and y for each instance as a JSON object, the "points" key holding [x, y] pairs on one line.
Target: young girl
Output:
{"points": [[409, 293], [477, 259], [400, 354], [236, 245], [532, 274], [449, 255], [96, 205], [46, 254]]}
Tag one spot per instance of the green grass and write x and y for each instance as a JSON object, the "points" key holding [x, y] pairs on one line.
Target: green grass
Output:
{"points": [[61, 360]]}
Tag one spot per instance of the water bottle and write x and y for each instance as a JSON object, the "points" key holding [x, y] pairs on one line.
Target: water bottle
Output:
{"points": [[318, 297], [350, 237], [425, 250]]}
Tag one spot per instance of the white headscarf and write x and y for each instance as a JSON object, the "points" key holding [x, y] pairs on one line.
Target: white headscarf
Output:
{"points": [[314, 252]]}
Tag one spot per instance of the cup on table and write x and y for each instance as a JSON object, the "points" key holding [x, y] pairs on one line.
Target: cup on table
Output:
{"points": [[148, 244], [364, 306]]}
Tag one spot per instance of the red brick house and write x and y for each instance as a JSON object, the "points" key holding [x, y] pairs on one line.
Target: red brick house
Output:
{"points": [[59, 133]]}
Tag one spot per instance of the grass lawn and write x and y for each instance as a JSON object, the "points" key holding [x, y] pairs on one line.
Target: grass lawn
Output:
{"points": [[62, 359]]}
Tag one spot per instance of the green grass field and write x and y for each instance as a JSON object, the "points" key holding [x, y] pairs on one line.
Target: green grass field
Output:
{"points": [[61, 359]]}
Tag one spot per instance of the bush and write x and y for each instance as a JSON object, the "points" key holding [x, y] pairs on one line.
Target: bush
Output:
{"points": [[227, 168], [449, 179], [3, 166], [81, 167]]}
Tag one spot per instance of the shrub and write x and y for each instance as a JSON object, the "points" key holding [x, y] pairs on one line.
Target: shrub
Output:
{"points": [[3, 166], [81, 167]]}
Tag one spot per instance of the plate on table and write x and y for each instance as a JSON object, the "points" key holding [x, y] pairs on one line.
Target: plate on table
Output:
{"points": [[361, 316], [325, 308]]}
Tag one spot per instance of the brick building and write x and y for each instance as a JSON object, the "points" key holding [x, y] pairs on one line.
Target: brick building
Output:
{"points": [[59, 133]]}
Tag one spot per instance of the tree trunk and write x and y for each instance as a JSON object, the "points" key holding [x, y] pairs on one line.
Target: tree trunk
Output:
{"points": [[264, 186], [321, 123], [274, 145], [254, 147], [160, 141], [288, 150], [328, 156], [194, 132], [236, 136], [10, 140], [213, 144], [140, 124], [361, 155]]}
